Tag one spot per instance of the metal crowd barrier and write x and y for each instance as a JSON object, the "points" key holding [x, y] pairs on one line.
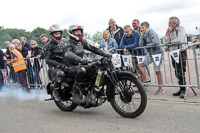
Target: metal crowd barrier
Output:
{"points": [[37, 77], [168, 72]]}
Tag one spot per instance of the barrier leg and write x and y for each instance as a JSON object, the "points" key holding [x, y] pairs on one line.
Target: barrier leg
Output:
{"points": [[186, 92], [193, 91]]}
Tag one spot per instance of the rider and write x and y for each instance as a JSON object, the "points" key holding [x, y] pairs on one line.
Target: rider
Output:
{"points": [[74, 56], [54, 53]]}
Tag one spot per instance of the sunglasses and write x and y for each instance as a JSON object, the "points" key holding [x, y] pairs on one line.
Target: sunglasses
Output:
{"points": [[32, 44]]}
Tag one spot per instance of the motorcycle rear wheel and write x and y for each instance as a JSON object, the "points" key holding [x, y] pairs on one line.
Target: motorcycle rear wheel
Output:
{"points": [[130, 100], [65, 105]]}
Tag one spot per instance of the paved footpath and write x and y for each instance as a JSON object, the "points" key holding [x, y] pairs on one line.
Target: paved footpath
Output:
{"points": [[167, 96]]}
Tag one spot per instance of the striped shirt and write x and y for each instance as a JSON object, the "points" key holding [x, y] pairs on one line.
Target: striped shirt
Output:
{"points": [[176, 36]]}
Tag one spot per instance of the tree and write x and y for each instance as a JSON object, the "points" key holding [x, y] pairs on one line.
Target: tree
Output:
{"points": [[97, 37], [3, 37], [36, 33], [10, 34], [87, 36], [16, 33], [65, 34]]}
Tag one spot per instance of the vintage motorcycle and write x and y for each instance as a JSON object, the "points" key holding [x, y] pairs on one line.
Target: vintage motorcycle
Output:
{"points": [[122, 89]]}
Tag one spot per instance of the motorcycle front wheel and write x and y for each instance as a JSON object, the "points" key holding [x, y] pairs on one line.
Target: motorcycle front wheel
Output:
{"points": [[130, 97]]}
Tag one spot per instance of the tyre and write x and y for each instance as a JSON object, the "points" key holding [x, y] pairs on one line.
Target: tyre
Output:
{"points": [[130, 97], [65, 105]]}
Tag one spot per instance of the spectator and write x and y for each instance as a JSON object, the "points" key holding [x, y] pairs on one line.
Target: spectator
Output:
{"points": [[7, 54], [130, 40], [19, 66], [108, 44], [2, 66], [115, 31], [175, 34], [12, 73], [24, 52], [44, 38], [36, 52], [25, 44], [150, 38], [196, 41], [136, 25]]}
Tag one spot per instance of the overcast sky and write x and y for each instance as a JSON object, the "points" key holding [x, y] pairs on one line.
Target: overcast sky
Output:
{"points": [[94, 14]]}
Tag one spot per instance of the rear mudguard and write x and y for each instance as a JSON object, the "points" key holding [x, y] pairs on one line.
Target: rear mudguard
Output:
{"points": [[49, 90], [110, 91], [65, 93]]}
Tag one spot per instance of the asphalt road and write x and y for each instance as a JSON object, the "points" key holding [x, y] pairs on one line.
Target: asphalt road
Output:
{"points": [[34, 116]]}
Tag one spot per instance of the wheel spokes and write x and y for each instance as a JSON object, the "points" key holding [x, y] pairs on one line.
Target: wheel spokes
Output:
{"points": [[130, 106]]}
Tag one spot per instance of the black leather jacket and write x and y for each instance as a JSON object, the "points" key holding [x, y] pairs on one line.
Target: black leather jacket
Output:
{"points": [[54, 53], [118, 33], [75, 51]]}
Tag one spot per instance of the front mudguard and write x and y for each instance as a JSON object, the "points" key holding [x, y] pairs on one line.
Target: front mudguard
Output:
{"points": [[126, 73], [110, 91]]}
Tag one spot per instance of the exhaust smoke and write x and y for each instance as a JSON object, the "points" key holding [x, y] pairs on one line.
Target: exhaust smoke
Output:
{"points": [[21, 95]]}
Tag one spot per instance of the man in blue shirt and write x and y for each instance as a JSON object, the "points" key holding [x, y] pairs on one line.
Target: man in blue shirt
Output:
{"points": [[130, 40]]}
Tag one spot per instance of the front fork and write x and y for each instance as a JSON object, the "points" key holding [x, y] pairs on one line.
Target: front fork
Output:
{"points": [[114, 83], [117, 84]]}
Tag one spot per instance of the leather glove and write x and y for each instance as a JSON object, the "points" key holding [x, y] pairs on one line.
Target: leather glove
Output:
{"points": [[92, 60], [108, 55], [63, 67], [60, 66], [84, 61]]}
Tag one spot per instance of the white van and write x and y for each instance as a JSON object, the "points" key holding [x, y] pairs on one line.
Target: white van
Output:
{"points": [[4, 50]]}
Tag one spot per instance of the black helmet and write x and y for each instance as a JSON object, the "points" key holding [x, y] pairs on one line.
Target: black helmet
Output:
{"points": [[55, 28], [73, 28]]}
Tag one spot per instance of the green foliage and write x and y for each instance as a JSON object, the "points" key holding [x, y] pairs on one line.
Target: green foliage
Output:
{"points": [[87, 36], [161, 40], [97, 37], [36, 35], [65, 34], [10, 34]]}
